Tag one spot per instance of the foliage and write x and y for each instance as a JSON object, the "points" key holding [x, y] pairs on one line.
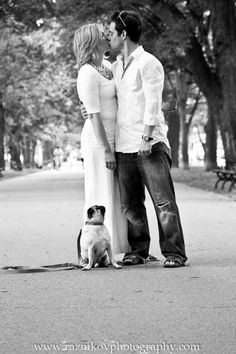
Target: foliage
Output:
{"points": [[39, 95], [37, 73], [26, 14]]}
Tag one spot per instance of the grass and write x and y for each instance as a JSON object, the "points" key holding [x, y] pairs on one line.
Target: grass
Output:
{"points": [[199, 178]]}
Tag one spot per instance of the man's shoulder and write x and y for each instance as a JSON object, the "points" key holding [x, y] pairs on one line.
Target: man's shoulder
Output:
{"points": [[147, 57]]}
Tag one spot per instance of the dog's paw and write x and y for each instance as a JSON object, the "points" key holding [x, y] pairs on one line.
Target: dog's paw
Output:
{"points": [[87, 267]]}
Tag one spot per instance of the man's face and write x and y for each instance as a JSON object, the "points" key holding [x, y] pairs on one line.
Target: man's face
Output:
{"points": [[116, 42]]}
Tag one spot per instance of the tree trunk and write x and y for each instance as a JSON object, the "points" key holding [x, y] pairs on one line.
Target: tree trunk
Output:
{"points": [[15, 163], [2, 160], [47, 151], [224, 36], [211, 88], [173, 135], [27, 151], [211, 137], [185, 156], [219, 87], [182, 92], [169, 106]]}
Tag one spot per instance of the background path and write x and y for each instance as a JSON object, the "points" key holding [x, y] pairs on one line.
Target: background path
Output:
{"points": [[40, 216]]}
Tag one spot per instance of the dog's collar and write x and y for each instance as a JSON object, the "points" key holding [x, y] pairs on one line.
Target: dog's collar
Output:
{"points": [[94, 223]]}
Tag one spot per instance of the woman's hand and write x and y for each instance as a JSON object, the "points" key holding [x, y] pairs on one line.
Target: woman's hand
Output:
{"points": [[110, 160]]}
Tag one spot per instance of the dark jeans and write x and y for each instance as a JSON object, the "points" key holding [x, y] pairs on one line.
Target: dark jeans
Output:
{"points": [[134, 173]]}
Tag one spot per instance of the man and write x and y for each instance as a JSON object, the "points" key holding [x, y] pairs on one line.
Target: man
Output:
{"points": [[57, 157], [143, 154]]}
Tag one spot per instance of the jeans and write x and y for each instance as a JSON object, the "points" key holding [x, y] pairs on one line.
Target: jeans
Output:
{"points": [[134, 172]]}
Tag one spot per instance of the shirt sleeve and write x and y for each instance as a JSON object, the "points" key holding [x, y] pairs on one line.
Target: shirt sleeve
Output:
{"points": [[152, 76], [88, 89]]}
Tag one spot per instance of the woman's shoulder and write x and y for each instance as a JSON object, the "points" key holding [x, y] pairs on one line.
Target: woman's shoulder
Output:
{"points": [[87, 71]]}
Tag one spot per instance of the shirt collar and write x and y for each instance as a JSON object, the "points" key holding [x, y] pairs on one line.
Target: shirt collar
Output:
{"points": [[135, 54]]}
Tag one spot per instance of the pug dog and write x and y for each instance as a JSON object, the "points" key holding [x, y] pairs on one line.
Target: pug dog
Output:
{"points": [[94, 241]]}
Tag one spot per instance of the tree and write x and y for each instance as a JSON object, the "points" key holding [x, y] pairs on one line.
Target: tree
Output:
{"points": [[172, 115], [211, 57], [187, 92], [194, 36], [200, 37], [2, 122], [224, 46], [38, 96]]}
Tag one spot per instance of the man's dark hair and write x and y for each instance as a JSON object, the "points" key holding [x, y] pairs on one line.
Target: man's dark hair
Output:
{"points": [[128, 21]]}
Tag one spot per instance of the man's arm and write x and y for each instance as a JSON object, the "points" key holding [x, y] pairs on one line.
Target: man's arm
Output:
{"points": [[152, 76]]}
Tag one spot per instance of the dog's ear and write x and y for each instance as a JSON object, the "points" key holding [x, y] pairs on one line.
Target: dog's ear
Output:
{"points": [[103, 210], [90, 213]]}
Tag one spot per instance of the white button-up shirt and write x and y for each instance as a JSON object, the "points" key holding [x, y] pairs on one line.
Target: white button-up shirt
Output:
{"points": [[139, 88]]}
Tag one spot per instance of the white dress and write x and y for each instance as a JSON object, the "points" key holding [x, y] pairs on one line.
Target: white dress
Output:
{"points": [[101, 188]]}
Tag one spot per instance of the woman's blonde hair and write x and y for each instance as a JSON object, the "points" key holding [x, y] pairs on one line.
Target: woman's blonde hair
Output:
{"points": [[86, 40]]}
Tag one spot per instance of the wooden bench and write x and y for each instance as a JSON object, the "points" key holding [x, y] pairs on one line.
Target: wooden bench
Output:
{"points": [[225, 176]]}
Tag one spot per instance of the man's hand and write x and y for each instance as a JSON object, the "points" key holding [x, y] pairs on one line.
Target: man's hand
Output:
{"points": [[83, 111], [145, 148], [110, 160]]}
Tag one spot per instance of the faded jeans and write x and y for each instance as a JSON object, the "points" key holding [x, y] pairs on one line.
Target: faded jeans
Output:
{"points": [[134, 173]]}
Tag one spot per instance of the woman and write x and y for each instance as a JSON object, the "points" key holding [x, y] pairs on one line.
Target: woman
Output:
{"points": [[96, 89]]}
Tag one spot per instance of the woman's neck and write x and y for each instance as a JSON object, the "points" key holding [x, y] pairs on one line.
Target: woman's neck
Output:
{"points": [[96, 62]]}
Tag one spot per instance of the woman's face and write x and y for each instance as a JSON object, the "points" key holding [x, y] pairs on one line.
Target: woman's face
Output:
{"points": [[103, 46]]}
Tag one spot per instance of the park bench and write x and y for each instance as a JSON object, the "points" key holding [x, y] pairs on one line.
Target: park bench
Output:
{"points": [[224, 176]]}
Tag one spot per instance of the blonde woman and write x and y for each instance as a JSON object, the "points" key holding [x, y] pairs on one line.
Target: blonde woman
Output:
{"points": [[96, 89]]}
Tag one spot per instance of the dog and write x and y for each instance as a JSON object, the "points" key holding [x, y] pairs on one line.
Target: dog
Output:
{"points": [[94, 241]]}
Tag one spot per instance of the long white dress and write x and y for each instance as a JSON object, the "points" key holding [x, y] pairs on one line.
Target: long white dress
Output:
{"points": [[101, 188]]}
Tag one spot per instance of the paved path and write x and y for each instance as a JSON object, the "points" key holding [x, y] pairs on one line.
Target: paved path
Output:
{"points": [[142, 309]]}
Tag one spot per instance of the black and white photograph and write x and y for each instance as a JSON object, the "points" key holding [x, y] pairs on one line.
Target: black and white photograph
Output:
{"points": [[118, 176]]}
